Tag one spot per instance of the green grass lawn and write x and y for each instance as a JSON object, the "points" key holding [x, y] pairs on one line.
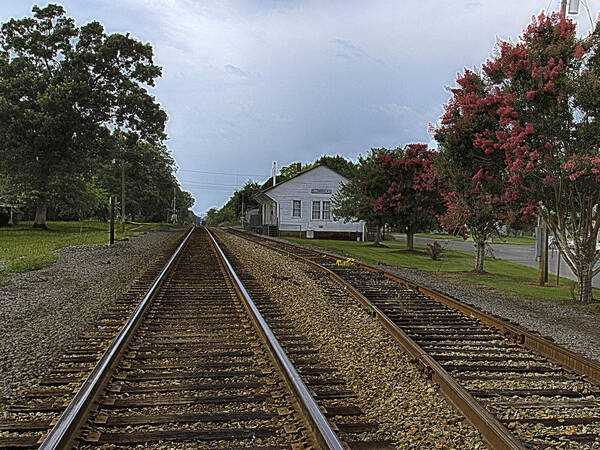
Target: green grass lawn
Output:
{"points": [[525, 240], [24, 248], [454, 266]]}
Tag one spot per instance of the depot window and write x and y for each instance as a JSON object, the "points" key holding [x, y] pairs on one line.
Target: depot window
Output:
{"points": [[316, 210], [326, 210], [296, 208]]}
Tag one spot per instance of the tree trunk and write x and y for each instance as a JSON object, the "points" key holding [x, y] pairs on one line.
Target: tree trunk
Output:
{"points": [[410, 240], [584, 291], [40, 217], [479, 256], [378, 235]]}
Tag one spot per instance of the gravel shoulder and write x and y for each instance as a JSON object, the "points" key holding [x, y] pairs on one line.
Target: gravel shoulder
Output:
{"points": [[567, 323], [42, 312]]}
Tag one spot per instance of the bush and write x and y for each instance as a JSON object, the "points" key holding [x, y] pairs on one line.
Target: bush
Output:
{"points": [[434, 250]]}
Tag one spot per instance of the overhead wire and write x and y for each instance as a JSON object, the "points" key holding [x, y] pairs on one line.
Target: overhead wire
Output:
{"points": [[224, 173]]}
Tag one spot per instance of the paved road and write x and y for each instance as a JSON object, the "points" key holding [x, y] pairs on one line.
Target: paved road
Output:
{"points": [[520, 254]]}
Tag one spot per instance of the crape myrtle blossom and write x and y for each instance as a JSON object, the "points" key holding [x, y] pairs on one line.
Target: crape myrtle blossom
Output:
{"points": [[413, 195], [471, 163], [536, 109]]}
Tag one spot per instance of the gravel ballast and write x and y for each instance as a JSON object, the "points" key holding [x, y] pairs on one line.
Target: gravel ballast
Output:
{"points": [[567, 325], [390, 389], [44, 311]]}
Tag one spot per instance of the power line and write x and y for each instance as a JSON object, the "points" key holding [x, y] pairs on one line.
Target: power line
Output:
{"points": [[208, 188], [224, 173], [202, 183]]}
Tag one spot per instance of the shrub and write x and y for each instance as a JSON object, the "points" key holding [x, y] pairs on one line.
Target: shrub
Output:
{"points": [[434, 250]]}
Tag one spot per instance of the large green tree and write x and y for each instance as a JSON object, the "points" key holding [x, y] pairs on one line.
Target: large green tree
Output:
{"points": [[62, 90], [241, 200], [147, 171], [339, 164]]}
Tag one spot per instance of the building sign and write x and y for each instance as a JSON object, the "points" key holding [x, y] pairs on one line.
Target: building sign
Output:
{"points": [[320, 191]]}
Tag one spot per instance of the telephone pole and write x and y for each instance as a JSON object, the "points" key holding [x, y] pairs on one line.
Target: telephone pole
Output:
{"points": [[123, 191], [542, 230], [174, 217]]}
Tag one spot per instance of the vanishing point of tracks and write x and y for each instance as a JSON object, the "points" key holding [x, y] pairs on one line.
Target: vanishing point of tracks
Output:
{"points": [[518, 388]]}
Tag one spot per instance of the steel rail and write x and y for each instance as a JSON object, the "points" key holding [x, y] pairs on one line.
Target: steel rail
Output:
{"points": [[568, 359], [496, 434], [62, 434], [324, 434], [556, 353]]}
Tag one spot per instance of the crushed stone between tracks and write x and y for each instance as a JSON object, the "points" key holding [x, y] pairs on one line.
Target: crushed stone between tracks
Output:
{"points": [[390, 388], [562, 321]]}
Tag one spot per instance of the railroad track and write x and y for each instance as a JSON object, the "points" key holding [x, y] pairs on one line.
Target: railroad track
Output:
{"points": [[519, 389], [194, 366]]}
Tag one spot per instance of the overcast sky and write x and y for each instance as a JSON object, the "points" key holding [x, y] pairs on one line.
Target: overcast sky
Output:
{"points": [[249, 82]]}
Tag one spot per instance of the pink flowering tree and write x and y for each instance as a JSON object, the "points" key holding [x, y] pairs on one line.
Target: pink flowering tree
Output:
{"points": [[549, 88], [413, 197], [362, 197], [476, 199]]}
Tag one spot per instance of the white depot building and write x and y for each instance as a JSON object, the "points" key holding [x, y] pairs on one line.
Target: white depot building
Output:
{"points": [[301, 206]]}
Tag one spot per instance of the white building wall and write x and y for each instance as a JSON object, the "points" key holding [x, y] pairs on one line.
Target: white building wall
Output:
{"points": [[318, 184]]}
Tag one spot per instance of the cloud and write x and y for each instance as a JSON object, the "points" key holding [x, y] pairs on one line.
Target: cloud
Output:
{"points": [[346, 49], [236, 71], [409, 123]]}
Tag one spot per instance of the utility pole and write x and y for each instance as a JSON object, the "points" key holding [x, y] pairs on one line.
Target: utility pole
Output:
{"points": [[111, 213], [174, 211], [558, 267], [543, 266], [543, 229], [123, 191]]}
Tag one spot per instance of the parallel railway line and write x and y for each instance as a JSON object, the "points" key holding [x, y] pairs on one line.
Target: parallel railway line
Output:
{"points": [[519, 389], [25, 423]]}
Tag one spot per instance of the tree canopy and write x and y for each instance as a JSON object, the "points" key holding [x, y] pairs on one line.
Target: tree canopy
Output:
{"points": [[231, 212], [413, 196], [474, 179], [363, 196], [64, 90]]}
